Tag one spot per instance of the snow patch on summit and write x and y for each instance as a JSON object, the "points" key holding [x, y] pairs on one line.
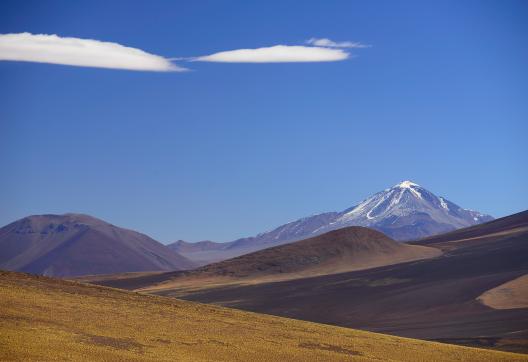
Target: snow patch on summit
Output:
{"points": [[406, 184], [411, 186]]}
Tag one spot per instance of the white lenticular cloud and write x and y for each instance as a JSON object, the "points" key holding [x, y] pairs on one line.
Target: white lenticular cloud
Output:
{"points": [[324, 42], [276, 54], [43, 48]]}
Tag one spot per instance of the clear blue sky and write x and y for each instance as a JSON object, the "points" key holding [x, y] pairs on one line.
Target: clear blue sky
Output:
{"points": [[230, 150]]}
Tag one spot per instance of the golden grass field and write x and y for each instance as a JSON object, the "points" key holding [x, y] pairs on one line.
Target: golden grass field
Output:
{"points": [[43, 319]]}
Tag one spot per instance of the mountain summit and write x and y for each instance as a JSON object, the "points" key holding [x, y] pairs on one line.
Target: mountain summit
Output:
{"points": [[406, 211]]}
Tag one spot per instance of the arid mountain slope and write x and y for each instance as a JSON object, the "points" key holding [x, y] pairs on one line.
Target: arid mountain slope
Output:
{"points": [[433, 298], [44, 319], [75, 244]]}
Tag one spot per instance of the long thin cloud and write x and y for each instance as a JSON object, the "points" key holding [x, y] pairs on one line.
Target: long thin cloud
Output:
{"points": [[43, 48], [276, 54], [325, 42]]}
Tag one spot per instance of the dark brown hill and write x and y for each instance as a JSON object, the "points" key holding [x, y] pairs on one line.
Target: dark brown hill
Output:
{"points": [[75, 244], [47, 319], [346, 249]]}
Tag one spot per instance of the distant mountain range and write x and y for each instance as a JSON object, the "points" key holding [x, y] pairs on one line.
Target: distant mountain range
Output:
{"points": [[75, 244], [403, 212]]}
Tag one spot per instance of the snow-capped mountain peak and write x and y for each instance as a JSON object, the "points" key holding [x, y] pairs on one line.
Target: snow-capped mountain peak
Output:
{"points": [[405, 211], [409, 206], [404, 195]]}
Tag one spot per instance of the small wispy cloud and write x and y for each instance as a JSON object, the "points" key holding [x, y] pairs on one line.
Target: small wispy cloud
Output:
{"points": [[325, 42], [43, 48], [276, 54]]}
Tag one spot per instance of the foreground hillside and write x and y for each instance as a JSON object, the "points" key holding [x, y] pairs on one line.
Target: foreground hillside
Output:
{"points": [[76, 244], [44, 319]]}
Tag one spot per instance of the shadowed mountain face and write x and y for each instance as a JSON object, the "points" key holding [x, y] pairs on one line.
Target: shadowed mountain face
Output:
{"points": [[437, 298], [74, 244], [405, 211]]}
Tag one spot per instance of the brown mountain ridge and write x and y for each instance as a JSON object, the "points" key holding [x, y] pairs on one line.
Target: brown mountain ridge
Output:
{"points": [[347, 249]]}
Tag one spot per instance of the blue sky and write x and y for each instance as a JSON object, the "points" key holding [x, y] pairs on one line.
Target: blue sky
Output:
{"points": [[228, 149]]}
